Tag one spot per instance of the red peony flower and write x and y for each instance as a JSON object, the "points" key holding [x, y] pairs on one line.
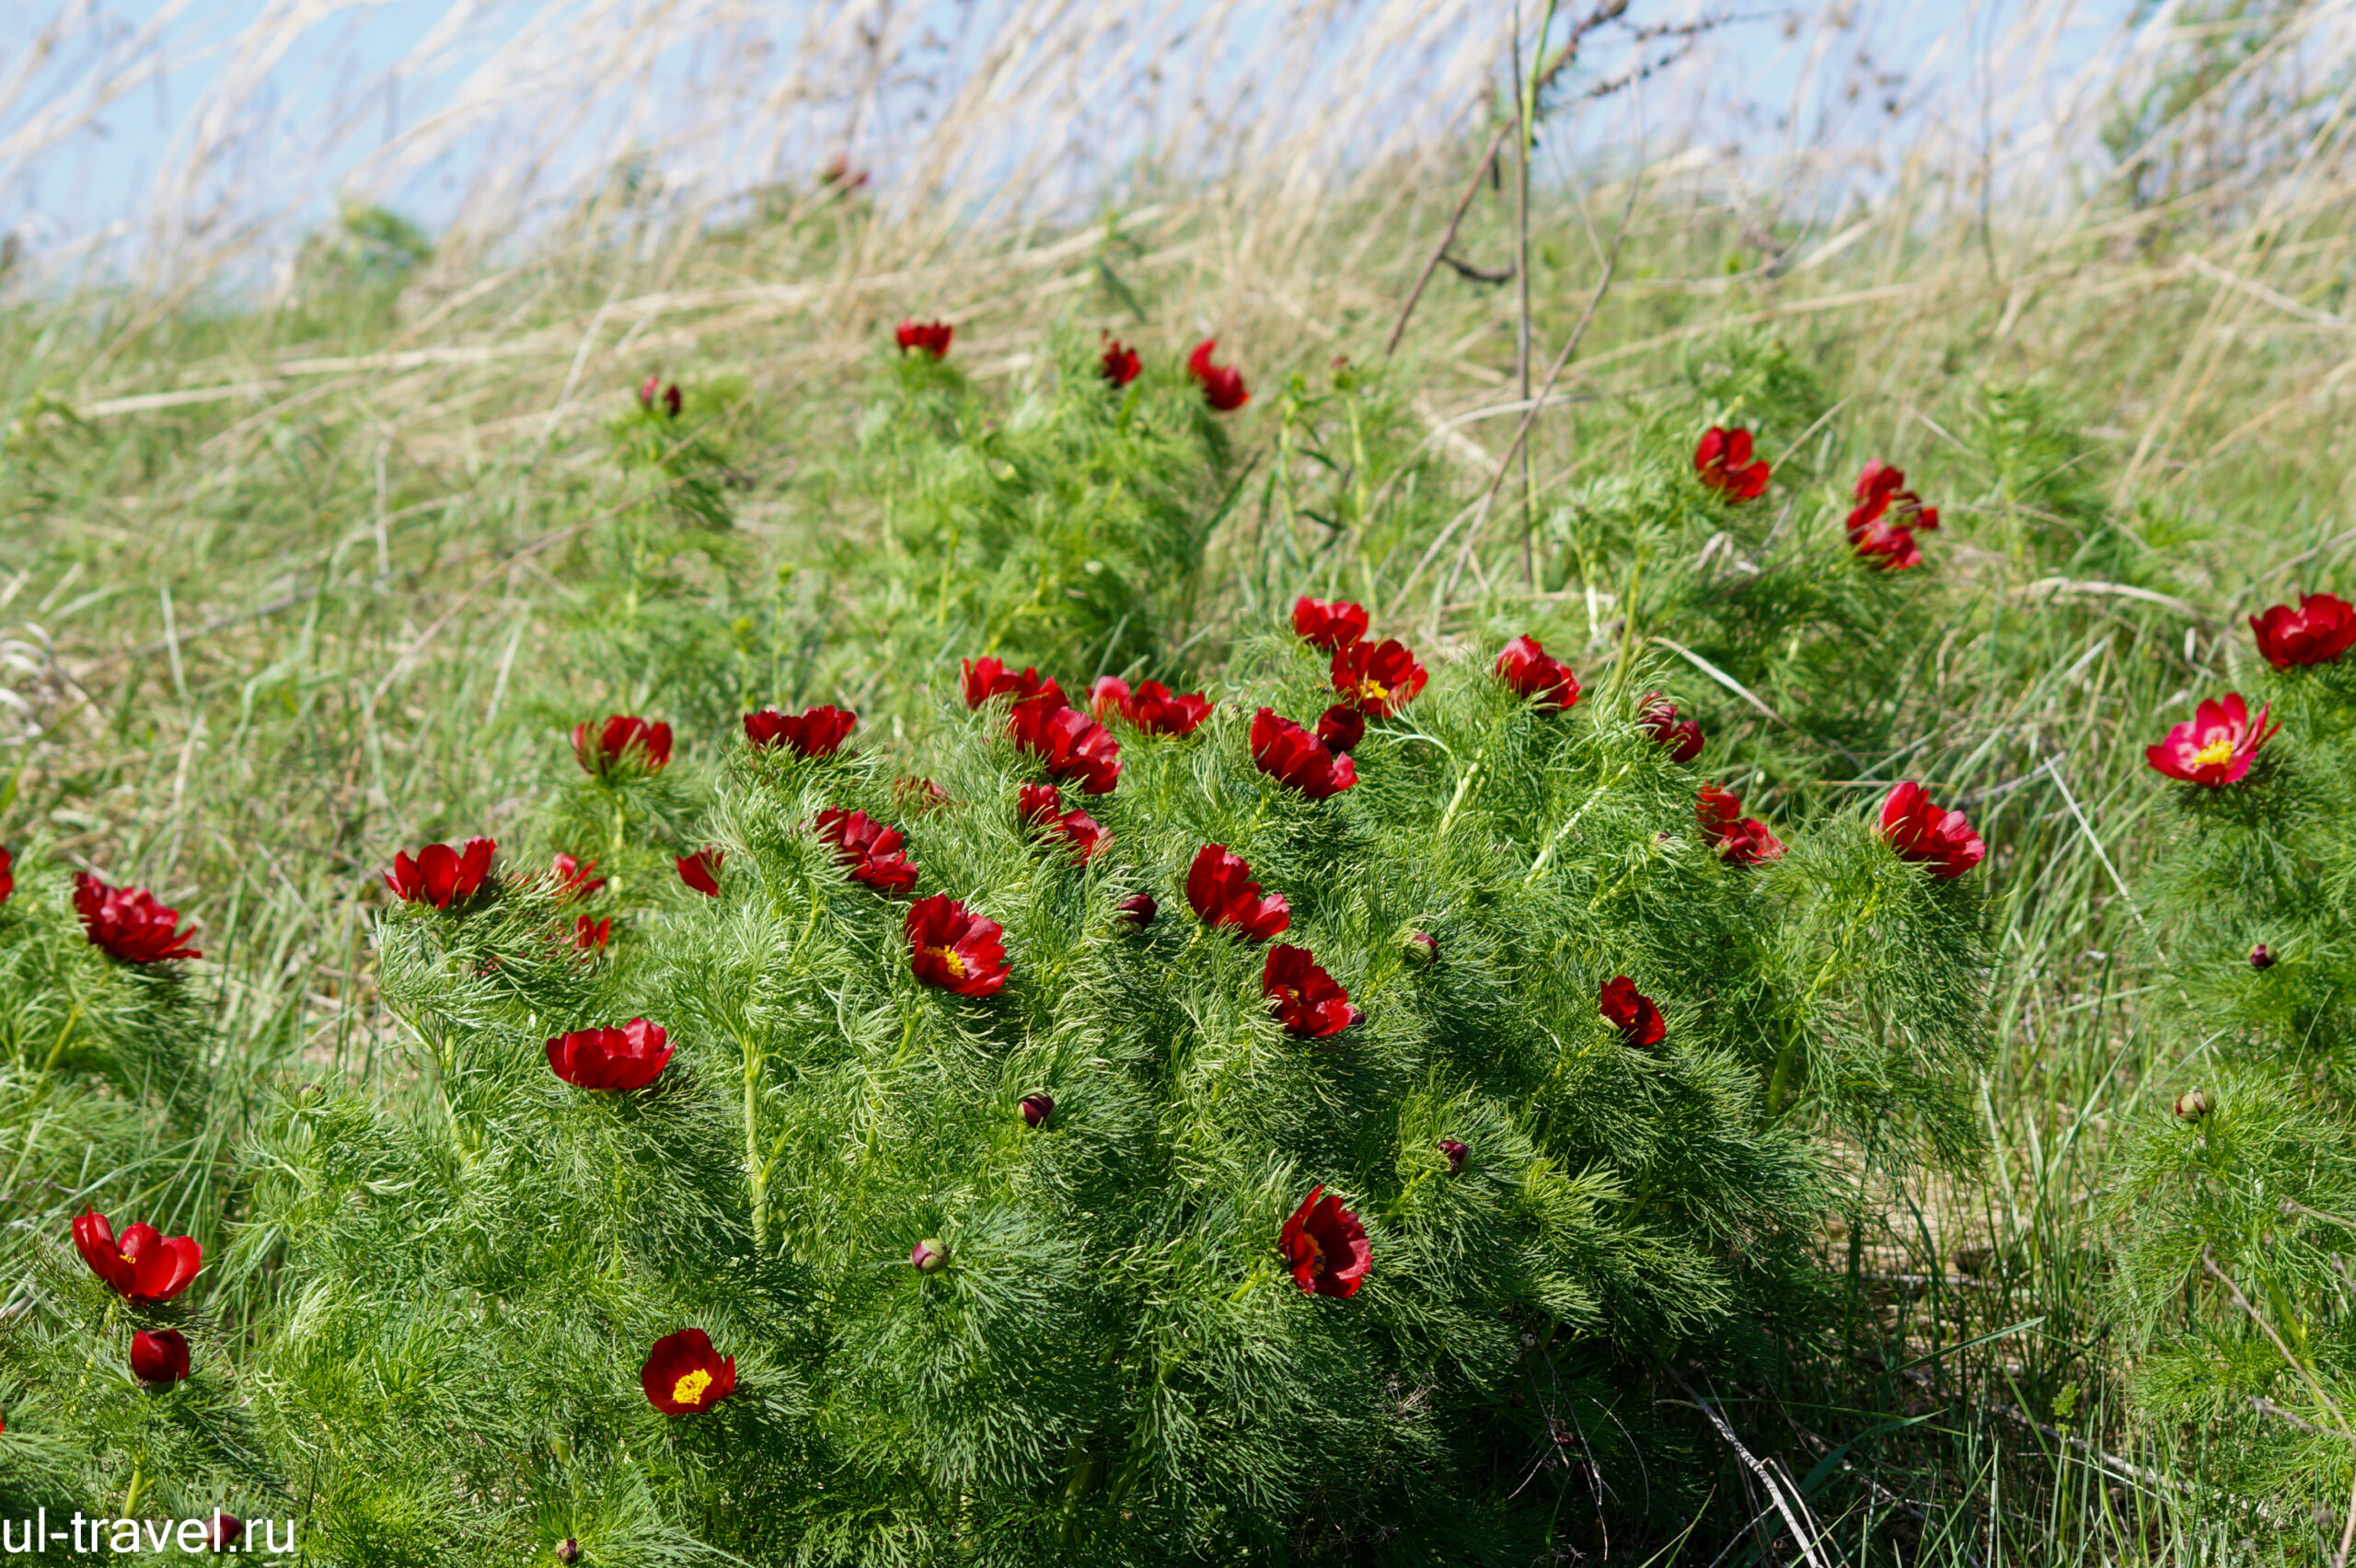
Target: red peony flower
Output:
{"points": [[1547, 682], [1329, 629], [159, 1356], [617, 1059], [668, 397], [1920, 831], [1749, 844], [2212, 748], [144, 1266], [682, 1374], [815, 734], [1341, 727], [1723, 460], [700, 871], [1120, 364], [1739, 840], [589, 935], [952, 947], [1325, 1246], [873, 852], [442, 876], [1883, 524], [7, 876], [1631, 1013], [987, 678], [1286, 752], [931, 337], [2319, 631], [1380, 677], [1455, 1151], [1223, 385], [1309, 1002], [1068, 742], [1220, 891], [1718, 810], [127, 924], [570, 878], [1036, 1108], [1658, 718], [1137, 911], [624, 744], [1042, 805], [1152, 708]]}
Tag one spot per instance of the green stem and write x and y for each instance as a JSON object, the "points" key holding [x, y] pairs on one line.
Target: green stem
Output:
{"points": [[757, 1170], [57, 1052], [1538, 867], [1448, 817]]}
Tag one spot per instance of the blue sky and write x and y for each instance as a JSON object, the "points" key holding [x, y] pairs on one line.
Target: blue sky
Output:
{"points": [[328, 84]]}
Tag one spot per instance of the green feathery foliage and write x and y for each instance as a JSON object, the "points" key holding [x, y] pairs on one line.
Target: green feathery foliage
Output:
{"points": [[1065, 531], [2237, 1216], [1113, 1364], [101, 1062]]}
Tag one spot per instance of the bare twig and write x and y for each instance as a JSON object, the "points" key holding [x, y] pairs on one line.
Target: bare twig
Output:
{"points": [[1807, 1542], [1471, 273], [1447, 238], [1553, 373], [1609, 10]]}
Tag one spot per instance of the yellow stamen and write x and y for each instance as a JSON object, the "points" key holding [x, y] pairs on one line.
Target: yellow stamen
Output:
{"points": [[1373, 690], [2216, 751], [1316, 1253], [688, 1391], [950, 961]]}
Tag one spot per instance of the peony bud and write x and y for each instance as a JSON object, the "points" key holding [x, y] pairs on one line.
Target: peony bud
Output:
{"points": [[1037, 1108], [929, 1255], [2193, 1105], [569, 1552], [1137, 911], [226, 1530], [1456, 1152], [159, 1358], [1421, 948], [2262, 957]]}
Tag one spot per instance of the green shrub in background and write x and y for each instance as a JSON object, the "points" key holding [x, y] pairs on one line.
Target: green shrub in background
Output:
{"points": [[1067, 529]]}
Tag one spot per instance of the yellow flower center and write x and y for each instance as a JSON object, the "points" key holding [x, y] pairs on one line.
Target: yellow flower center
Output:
{"points": [[949, 961], [1373, 690], [688, 1391], [1316, 1255], [2220, 750]]}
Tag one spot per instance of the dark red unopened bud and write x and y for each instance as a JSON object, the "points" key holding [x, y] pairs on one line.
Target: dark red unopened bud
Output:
{"points": [[1421, 948], [2193, 1105], [569, 1552], [158, 1358], [929, 1255], [2262, 957], [226, 1531], [1137, 911], [1456, 1153], [1037, 1108]]}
